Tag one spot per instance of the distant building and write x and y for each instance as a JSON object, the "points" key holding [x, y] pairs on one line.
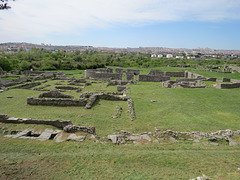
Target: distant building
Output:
{"points": [[179, 57], [169, 56], [153, 55], [160, 56]]}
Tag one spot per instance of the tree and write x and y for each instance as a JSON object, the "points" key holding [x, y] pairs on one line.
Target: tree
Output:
{"points": [[4, 4]]}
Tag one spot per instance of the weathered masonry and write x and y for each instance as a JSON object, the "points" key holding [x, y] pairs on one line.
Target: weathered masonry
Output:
{"points": [[102, 74], [148, 78], [228, 86]]}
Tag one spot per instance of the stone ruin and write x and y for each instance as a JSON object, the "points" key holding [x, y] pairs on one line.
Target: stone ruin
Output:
{"points": [[225, 137], [87, 99], [228, 86], [133, 71], [47, 134], [190, 83], [121, 88], [102, 74], [93, 96], [54, 93], [117, 82]]}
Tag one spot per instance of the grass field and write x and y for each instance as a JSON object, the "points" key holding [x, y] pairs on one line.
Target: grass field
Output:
{"points": [[177, 109]]}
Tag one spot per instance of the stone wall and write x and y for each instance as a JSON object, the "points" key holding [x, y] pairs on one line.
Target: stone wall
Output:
{"points": [[102, 75], [117, 82], [57, 123], [66, 87], [121, 88], [175, 74], [73, 129], [27, 86], [210, 79], [235, 68], [148, 78], [193, 75], [66, 125], [13, 82], [228, 86], [93, 96], [133, 71], [187, 79], [119, 71], [54, 93], [131, 109], [156, 73], [56, 102], [235, 80], [226, 80], [130, 77]]}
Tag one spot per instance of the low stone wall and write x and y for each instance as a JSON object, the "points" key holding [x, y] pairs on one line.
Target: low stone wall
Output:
{"points": [[228, 86], [133, 71], [210, 79], [57, 123], [119, 71], [130, 77], [27, 86], [56, 102], [13, 82], [121, 88], [66, 87], [93, 96], [148, 78], [235, 68], [54, 93], [117, 82], [235, 81], [193, 75], [226, 80], [187, 79], [73, 129], [156, 73], [175, 74], [94, 74], [131, 109]]}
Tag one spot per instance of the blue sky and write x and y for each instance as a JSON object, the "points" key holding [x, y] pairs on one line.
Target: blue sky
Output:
{"points": [[124, 23]]}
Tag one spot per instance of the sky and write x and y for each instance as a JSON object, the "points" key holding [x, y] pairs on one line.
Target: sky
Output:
{"points": [[124, 23]]}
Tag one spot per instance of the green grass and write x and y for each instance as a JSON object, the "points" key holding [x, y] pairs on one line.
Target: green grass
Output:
{"points": [[177, 109]]}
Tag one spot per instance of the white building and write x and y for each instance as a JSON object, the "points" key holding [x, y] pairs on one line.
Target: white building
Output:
{"points": [[153, 55], [169, 56], [160, 56], [179, 57]]}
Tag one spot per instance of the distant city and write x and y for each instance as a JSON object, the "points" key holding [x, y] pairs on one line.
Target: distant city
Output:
{"points": [[156, 52]]}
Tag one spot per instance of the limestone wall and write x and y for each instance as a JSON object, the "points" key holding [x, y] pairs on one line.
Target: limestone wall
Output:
{"points": [[228, 86], [56, 102], [156, 73], [226, 80], [149, 78], [104, 75], [193, 75], [133, 71], [57, 123], [175, 74], [130, 77], [27, 86], [54, 93], [66, 87], [236, 68], [119, 71]]}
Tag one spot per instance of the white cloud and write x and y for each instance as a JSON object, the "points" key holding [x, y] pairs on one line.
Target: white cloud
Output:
{"points": [[38, 18]]}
